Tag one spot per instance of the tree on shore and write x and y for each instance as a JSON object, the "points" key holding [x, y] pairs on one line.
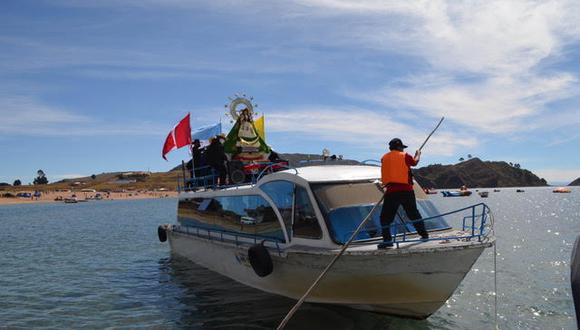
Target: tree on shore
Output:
{"points": [[17, 183], [93, 176], [41, 178], [461, 159]]}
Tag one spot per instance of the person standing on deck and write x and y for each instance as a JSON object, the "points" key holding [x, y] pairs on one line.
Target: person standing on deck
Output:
{"points": [[197, 152], [397, 181], [216, 158]]}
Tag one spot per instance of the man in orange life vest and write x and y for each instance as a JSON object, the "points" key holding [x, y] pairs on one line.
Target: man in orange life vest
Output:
{"points": [[397, 180]]}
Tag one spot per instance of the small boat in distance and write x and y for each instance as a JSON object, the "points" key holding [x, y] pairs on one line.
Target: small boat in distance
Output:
{"points": [[430, 191], [496, 190], [562, 190], [459, 193], [483, 194], [520, 190], [462, 192]]}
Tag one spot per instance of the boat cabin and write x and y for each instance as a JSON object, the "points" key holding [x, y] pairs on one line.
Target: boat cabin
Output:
{"points": [[316, 206]]}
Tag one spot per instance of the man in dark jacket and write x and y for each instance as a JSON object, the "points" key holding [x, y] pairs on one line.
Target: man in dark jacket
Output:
{"points": [[216, 158], [197, 159]]}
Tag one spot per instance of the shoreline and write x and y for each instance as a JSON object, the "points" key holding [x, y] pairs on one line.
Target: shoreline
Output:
{"points": [[49, 197]]}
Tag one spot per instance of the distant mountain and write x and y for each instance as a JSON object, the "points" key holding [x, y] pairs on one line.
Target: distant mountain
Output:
{"points": [[472, 173], [476, 173], [575, 182]]}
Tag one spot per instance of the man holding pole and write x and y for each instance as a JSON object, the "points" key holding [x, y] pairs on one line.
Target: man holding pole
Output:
{"points": [[397, 181]]}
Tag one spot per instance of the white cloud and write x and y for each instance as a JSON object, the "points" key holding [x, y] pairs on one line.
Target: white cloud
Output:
{"points": [[360, 127], [487, 61], [26, 116], [486, 58], [20, 114], [476, 36], [139, 62], [498, 104]]}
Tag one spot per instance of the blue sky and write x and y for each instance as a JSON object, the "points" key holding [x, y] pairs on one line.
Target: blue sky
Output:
{"points": [[95, 86]]}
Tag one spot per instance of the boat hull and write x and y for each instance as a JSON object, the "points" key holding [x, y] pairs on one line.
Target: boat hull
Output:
{"points": [[411, 283]]}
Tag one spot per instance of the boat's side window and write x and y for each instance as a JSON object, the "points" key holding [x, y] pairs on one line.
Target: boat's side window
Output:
{"points": [[282, 193], [250, 214], [305, 221]]}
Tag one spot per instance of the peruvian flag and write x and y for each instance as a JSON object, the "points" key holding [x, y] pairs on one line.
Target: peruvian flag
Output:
{"points": [[180, 136]]}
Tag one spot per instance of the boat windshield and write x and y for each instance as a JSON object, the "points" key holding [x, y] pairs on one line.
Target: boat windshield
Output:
{"points": [[345, 205]]}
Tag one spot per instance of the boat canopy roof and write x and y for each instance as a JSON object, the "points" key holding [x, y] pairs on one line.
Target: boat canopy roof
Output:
{"points": [[329, 173], [344, 173]]}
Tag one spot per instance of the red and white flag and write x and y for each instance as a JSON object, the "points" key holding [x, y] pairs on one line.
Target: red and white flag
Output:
{"points": [[180, 136]]}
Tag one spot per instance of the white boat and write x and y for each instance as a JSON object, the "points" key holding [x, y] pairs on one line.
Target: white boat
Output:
{"points": [[279, 233]]}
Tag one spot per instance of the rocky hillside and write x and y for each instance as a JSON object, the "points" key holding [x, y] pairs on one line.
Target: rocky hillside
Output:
{"points": [[473, 173], [575, 182], [476, 173]]}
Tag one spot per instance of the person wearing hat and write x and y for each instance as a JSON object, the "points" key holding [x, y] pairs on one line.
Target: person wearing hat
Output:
{"points": [[397, 181], [197, 160], [216, 158]]}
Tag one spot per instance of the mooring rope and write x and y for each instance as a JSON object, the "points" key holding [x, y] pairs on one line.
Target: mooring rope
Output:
{"points": [[301, 300], [495, 294]]}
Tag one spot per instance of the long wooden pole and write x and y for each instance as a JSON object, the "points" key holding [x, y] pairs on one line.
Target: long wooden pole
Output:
{"points": [[433, 131], [345, 246], [341, 252]]}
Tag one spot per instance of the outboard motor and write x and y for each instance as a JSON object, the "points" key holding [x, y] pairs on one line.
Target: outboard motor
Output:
{"points": [[575, 278]]}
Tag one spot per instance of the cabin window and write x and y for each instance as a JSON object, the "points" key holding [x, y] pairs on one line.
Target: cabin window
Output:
{"points": [[345, 205], [282, 194], [242, 214], [305, 221]]}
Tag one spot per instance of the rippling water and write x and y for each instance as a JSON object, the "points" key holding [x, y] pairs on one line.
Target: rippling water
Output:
{"points": [[99, 265]]}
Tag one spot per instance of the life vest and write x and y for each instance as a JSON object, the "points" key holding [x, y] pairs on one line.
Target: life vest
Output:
{"points": [[394, 169]]}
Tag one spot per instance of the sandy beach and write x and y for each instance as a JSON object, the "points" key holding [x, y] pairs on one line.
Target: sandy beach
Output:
{"points": [[59, 196]]}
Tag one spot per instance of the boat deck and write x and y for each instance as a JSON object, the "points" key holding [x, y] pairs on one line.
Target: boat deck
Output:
{"points": [[453, 239]]}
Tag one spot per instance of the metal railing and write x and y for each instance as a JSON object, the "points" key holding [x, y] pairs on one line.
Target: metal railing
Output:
{"points": [[375, 161], [269, 169], [208, 233], [209, 181], [474, 225]]}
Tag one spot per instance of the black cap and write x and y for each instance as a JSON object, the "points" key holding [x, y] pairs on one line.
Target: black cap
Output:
{"points": [[396, 144]]}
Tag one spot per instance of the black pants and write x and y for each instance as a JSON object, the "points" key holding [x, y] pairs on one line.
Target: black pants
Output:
{"points": [[391, 205], [221, 172]]}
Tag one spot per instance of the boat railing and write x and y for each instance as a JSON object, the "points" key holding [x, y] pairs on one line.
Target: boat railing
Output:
{"points": [[223, 235], [471, 221], [270, 169], [208, 178], [372, 162]]}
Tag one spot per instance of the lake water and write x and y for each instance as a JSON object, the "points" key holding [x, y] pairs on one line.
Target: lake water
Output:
{"points": [[100, 265]]}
